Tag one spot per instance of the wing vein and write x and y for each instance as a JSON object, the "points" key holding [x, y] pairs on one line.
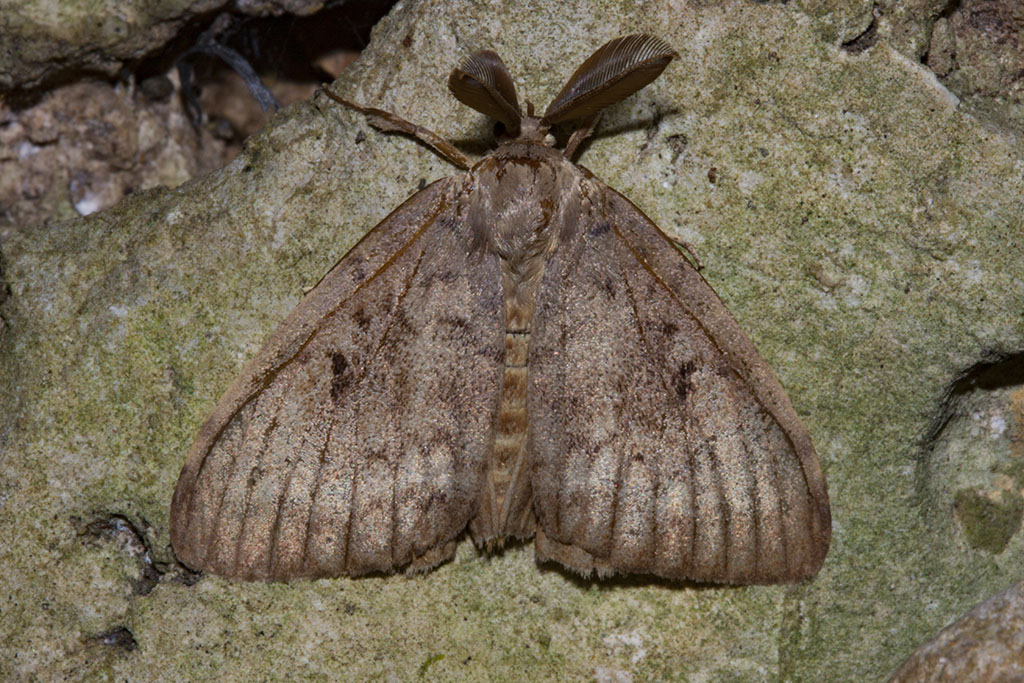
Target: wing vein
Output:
{"points": [[725, 521], [392, 545], [685, 422], [563, 472], [275, 531], [782, 512], [725, 518], [649, 353], [755, 498], [250, 485], [315, 492], [616, 488], [252, 482], [348, 522]]}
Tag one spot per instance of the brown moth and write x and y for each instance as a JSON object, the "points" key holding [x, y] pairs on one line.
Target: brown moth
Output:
{"points": [[517, 350]]}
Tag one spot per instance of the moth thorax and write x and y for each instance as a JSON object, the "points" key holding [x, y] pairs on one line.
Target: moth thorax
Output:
{"points": [[514, 201]]}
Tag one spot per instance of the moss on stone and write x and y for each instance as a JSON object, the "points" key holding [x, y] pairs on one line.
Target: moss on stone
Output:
{"points": [[989, 524], [857, 214]]}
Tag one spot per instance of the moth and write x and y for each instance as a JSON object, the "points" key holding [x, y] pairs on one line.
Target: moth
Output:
{"points": [[518, 351]]}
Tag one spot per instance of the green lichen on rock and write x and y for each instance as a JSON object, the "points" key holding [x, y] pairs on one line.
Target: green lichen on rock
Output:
{"points": [[860, 227], [989, 524]]}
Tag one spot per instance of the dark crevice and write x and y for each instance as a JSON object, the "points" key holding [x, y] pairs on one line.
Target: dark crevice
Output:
{"points": [[951, 8], [867, 38], [122, 531], [281, 48], [208, 45], [284, 47], [945, 13], [265, 50], [133, 540], [1001, 371], [119, 638]]}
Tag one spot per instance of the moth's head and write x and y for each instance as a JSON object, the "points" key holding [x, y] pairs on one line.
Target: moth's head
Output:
{"points": [[532, 129], [615, 71]]}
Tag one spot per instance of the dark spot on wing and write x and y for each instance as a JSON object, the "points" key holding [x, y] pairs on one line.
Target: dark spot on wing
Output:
{"points": [[681, 381], [600, 228], [339, 364], [454, 322], [448, 276], [376, 455], [723, 369], [362, 318], [340, 375]]}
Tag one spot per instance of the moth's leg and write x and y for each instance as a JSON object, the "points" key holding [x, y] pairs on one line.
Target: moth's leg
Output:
{"points": [[581, 134], [392, 123]]}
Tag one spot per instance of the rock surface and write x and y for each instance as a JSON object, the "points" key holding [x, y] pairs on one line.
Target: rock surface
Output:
{"points": [[986, 644], [863, 226]]}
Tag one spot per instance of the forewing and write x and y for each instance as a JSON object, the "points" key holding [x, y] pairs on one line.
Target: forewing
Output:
{"points": [[355, 440], [663, 444]]}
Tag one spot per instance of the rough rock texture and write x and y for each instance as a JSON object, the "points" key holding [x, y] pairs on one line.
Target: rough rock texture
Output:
{"points": [[85, 146], [861, 223], [986, 644], [975, 47], [978, 52], [41, 41]]}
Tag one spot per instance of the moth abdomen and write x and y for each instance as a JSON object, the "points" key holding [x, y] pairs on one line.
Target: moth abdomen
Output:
{"points": [[505, 508]]}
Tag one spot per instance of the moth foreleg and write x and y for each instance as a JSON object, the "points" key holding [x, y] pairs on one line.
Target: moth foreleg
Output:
{"points": [[580, 135], [392, 123]]}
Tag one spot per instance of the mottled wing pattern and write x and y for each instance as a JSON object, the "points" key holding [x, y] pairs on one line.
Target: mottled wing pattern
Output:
{"points": [[663, 444], [356, 440]]}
